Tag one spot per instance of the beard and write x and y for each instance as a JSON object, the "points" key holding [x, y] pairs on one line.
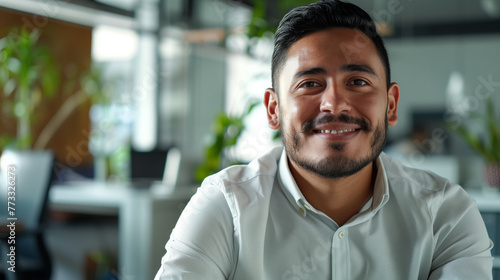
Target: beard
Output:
{"points": [[334, 166]]}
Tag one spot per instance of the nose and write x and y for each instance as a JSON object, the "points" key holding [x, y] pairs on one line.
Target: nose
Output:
{"points": [[334, 101]]}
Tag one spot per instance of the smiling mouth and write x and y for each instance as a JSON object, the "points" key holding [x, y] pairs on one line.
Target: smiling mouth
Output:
{"points": [[335, 131]]}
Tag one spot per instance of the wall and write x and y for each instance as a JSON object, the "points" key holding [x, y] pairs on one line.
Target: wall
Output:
{"points": [[191, 95], [422, 68], [71, 46]]}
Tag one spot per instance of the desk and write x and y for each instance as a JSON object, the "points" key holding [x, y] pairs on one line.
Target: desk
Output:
{"points": [[146, 218], [487, 199]]}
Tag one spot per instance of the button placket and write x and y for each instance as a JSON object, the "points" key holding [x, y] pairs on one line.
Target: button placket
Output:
{"points": [[340, 255]]}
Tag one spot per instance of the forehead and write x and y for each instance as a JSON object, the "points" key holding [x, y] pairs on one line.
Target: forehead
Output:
{"points": [[331, 49]]}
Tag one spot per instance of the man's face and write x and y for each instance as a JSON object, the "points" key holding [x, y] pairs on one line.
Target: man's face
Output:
{"points": [[334, 106]]}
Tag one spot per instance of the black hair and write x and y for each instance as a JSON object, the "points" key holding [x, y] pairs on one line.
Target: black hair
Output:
{"points": [[319, 16]]}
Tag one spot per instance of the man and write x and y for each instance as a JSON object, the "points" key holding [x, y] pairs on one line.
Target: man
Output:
{"points": [[329, 205]]}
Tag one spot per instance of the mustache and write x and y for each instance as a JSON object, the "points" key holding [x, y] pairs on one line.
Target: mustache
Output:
{"points": [[342, 118]]}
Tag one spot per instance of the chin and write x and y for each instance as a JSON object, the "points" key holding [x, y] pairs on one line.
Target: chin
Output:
{"points": [[333, 161]]}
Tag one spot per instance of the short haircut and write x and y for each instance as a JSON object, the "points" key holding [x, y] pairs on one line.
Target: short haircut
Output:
{"points": [[318, 16]]}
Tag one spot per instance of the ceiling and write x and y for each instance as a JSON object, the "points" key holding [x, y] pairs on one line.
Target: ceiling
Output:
{"points": [[435, 17], [431, 11], [399, 11], [404, 17], [428, 17]]}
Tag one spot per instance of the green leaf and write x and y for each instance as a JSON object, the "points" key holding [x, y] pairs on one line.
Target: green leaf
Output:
{"points": [[474, 141], [20, 109], [50, 81], [23, 143], [99, 89], [6, 141], [5, 55], [25, 67], [4, 75], [231, 141], [476, 115], [489, 146], [276, 135], [14, 65], [48, 70], [252, 106], [494, 130], [9, 87]]}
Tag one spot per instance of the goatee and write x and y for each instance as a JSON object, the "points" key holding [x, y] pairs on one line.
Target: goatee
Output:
{"points": [[335, 166]]}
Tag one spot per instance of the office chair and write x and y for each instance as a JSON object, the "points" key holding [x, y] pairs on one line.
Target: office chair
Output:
{"points": [[33, 177]]}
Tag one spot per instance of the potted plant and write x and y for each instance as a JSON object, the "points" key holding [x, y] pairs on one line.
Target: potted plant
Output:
{"points": [[488, 147], [28, 75], [28, 72], [226, 132]]}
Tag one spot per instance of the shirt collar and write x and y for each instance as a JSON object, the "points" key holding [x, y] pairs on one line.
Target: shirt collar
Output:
{"points": [[297, 199], [290, 188], [381, 188]]}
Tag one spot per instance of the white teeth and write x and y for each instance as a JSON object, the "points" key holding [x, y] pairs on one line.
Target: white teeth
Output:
{"points": [[337, 131]]}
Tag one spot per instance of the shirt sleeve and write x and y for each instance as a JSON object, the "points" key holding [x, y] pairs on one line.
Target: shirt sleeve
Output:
{"points": [[201, 244], [462, 245]]}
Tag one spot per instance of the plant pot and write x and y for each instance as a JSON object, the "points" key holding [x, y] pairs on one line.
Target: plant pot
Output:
{"points": [[491, 174]]}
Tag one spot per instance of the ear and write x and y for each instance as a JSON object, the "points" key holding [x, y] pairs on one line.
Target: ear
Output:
{"points": [[272, 108], [392, 104]]}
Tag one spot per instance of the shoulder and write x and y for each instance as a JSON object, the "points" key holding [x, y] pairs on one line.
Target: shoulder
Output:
{"points": [[441, 214], [265, 166], [399, 174], [423, 186], [244, 184]]}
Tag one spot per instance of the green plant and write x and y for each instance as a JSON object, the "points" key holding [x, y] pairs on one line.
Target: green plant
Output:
{"points": [[267, 14], [28, 72], [226, 131], [97, 87], [488, 147], [93, 87]]}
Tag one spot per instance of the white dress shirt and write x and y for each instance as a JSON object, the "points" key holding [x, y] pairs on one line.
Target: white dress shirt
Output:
{"points": [[253, 223]]}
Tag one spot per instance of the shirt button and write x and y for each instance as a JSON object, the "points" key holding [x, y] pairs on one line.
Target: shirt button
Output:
{"points": [[307, 207], [301, 211], [341, 235]]}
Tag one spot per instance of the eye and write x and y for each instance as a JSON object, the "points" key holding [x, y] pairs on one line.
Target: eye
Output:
{"points": [[358, 82], [309, 84]]}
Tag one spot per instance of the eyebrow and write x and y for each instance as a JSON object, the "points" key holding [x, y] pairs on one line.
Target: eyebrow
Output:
{"points": [[309, 71], [358, 68], [345, 68]]}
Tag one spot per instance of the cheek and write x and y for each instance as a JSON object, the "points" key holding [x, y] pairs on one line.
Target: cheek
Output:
{"points": [[372, 108], [295, 113], [294, 107], [306, 108], [292, 112]]}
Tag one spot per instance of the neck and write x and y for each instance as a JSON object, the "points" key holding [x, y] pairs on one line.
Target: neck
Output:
{"points": [[339, 198]]}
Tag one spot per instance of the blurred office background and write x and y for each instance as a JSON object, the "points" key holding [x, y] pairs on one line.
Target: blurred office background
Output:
{"points": [[138, 77]]}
